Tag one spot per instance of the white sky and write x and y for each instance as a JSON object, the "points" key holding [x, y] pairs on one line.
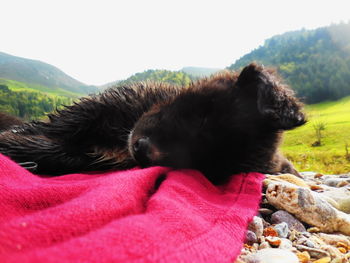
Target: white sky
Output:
{"points": [[99, 41]]}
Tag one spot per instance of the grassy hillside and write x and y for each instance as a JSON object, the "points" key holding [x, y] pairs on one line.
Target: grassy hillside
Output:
{"points": [[40, 73], [21, 86], [331, 156]]}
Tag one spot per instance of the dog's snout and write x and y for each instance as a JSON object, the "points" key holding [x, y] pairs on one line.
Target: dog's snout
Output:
{"points": [[141, 146], [142, 151]]}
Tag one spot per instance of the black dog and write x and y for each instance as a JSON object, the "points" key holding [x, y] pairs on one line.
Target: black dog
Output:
{"points": [[223, 125]]}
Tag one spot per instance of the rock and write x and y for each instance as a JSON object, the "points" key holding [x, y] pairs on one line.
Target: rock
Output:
{"points": [[316, 187], [341, 197], [282, 229], [293, 235], [316, 241], [335, 182], [283, 216], [308, 207], [301, 241], [273, 241], [314, 201], [309, 243], [313, 230], [323, 260], [342, 250], [261, 239], [286, 178], [265, 223], [306, 234], [310, 174], [329, 200], [250, 238], [270, 231], [256, 226], [332, 251], [285, 244], [304, 257], [273, 255], [334, 239], [264, 244], [314, 252], [318, 175], [265, 211]]}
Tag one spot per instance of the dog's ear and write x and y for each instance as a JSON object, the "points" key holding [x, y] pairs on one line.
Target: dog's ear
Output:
{"points": [[275, 101]]}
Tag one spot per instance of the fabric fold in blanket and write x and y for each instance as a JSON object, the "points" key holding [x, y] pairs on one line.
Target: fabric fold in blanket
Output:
{"points": [[138, 215]]}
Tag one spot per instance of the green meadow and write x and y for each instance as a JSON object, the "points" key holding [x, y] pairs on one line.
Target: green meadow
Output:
{"points": [[21, 86], [333, 155]]}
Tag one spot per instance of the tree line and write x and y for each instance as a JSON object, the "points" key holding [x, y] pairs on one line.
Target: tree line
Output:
{"points": [[29, 105], [173, 77]]}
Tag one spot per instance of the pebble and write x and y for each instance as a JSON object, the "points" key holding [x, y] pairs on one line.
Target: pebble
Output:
{"points": [[314, 252], [304, 257], [341, 197], [270, 231], [282, 229], [335, 239], [342, 250], [309, 243], [277, 235], [318, 175], [265, 211], [310, 174], [288, 178], [256, 226], [250, 238], [285, 244], [323, 260], [273, 255], [273, 241], [283, 216], [264, 244], [336, 181]]}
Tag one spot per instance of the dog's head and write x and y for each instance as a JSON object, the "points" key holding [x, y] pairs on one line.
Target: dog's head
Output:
{"points": [[217, 124]]}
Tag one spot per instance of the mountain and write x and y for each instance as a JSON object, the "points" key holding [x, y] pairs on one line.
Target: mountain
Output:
{"points": [[315, 63], [40, 73], [109, 84], [199, 72], [159, 75]]}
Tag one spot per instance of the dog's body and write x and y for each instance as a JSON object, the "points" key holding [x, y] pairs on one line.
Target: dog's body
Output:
{"points": [[222, 125], [7, 121]]}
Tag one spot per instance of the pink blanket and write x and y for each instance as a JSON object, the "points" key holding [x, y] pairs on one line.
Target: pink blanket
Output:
{"points": [[121, 217]]}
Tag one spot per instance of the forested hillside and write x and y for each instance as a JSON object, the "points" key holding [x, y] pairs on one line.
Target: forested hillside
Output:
{"points": [[29, 105], [316, 63], [172, 77]]}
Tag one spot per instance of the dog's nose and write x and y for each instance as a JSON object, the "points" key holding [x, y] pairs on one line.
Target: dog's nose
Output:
{"points": [[141, 145], [142, 150]]}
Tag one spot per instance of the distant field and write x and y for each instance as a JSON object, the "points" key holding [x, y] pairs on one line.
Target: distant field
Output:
{"points": [[330, 157], [32, 102], [20, 86]]}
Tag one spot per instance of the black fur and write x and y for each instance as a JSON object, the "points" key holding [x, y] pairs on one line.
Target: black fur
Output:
{"points": [[6, 121], [222, 125]]}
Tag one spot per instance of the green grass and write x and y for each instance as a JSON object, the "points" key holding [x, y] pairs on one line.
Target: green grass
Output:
{"points": [[20, 86], [330, 157]]}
